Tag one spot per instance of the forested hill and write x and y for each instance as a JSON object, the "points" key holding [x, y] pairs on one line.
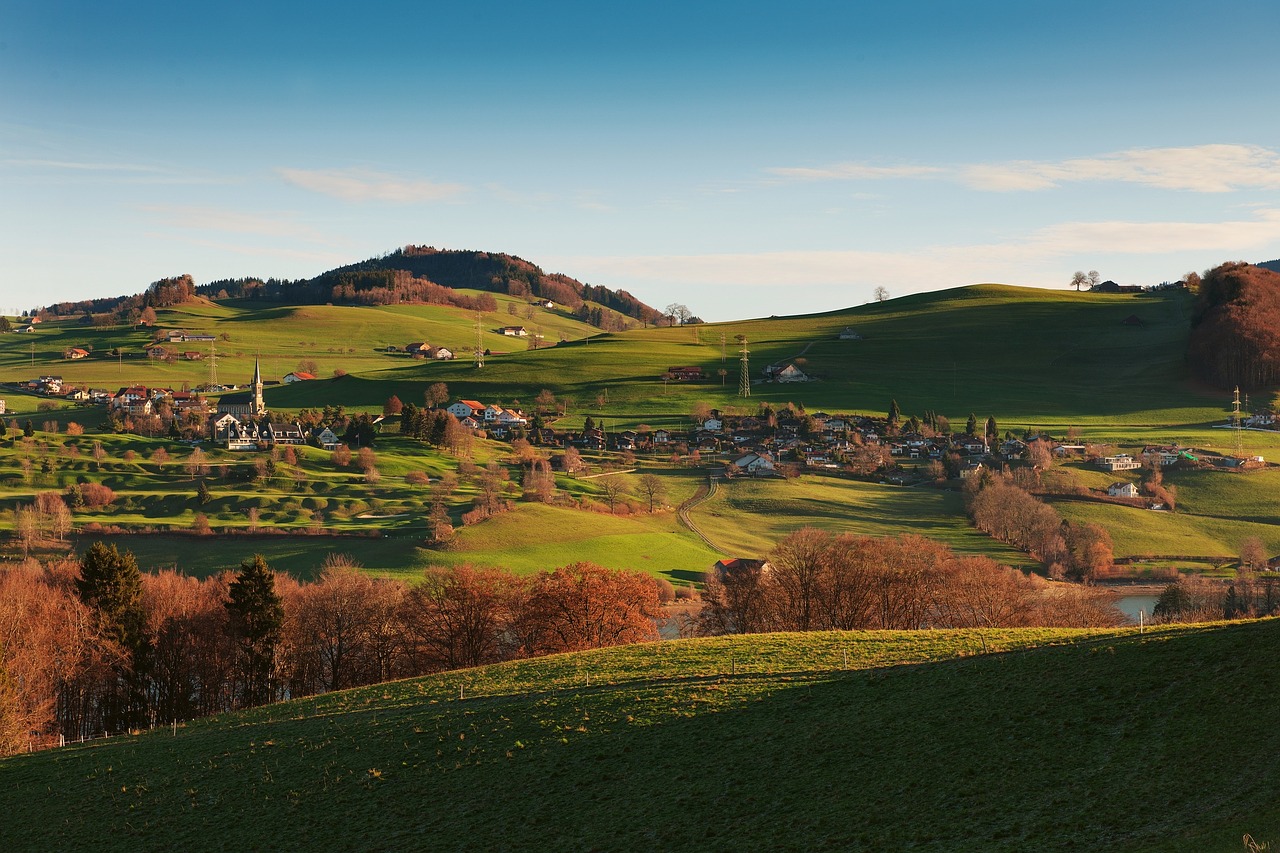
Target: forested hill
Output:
{"points": [[427, 274]]}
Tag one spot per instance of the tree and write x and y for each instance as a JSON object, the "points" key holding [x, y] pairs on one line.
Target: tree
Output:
{"points": [[613, 488], [1094, 278], [437, 394], [203, 495], [196, 465], [653, 489], [1253, 555], [895, 415], [971, 425], [1079, 280], [679, 313], [545, 401], [160, 457], [992, 433], [393, 406], [148, 316], [585, 606], [880, 294], [256, 620]]}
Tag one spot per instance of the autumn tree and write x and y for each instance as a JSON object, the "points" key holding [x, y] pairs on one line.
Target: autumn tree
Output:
{"points": [[459, 617], [585, 606], [437, 394], [1253, 555], [653, 489]]}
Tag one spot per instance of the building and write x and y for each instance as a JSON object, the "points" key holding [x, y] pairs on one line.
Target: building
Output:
{"points": [[298, 376], [466, 409], [514, 331], [685, 374], [1122, 490], [1121, 462], [245, 405]]}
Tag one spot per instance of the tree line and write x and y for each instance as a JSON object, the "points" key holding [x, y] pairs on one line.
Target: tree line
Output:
{"points": [[814, 580], [95, 646]]}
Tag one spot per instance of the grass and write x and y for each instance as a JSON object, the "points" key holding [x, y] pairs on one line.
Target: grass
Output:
{"points": [[747, 517], [871, 741]]}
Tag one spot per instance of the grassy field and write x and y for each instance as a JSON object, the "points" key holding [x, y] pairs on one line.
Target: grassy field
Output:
{"points": [[1032, 358], [1056, 740], [747, 517]]}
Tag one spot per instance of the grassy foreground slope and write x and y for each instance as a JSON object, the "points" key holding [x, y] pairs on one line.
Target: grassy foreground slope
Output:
{"points": [[1063, 740]]}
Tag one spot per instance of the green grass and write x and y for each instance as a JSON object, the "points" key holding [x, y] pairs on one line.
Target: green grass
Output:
{"points": [[747, 517], [1068, 740]]}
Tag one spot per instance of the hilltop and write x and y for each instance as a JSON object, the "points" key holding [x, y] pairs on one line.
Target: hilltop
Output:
{"points": [[982, 741]]}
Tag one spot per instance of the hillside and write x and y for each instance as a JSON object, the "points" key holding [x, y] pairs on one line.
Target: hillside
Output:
{"points": [[1055, 740], [417, 273]]}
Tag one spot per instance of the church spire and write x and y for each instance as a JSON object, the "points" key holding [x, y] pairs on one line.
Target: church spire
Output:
{"points": [[258, 407]]}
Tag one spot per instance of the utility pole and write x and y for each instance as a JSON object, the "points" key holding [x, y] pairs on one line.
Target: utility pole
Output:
{"points": [[744, 376], [479, 343], [1237, 423], [722, 358]]}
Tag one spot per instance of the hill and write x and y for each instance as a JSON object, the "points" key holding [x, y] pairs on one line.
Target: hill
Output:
{"points": [[1053, 740], [427, 274]]}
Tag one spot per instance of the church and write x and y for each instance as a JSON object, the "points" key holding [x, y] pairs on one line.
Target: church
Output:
{"points": [[245, 405]]}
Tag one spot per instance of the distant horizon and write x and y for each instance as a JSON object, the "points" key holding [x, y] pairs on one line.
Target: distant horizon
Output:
{"points": [[743, 159]]}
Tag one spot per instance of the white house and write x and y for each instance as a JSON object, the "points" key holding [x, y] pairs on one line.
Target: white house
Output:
{"points": [[1121, 462], [755, 464], [514, 331], [1122, 490], [790, 373], [465, 409], [712, 424]]}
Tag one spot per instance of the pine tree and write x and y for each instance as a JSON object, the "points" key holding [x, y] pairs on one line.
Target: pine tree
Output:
{"points": [[111, 586], [202, 492], [257, 617], [895, 415], [971, 425], [992, 432]]}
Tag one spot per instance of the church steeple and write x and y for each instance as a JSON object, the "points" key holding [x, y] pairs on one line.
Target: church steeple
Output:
{"points": [[257, 406]]}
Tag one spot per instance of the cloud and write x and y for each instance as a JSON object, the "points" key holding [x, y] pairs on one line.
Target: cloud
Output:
{"points": [[236, 222], [1033, 258], [1201, 168], [1212, 168], [856, 172], [84, 167], [362, 185]]}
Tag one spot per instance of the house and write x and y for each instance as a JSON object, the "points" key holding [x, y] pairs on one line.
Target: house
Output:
{"points": [[790, 373], [1069, 450], [969, 469], [285, 434], [492, 413], [685, 374], [192, 355], [471, 423], [3, 407], [219, 425], [438, 353], [512, 418], [1163, 455], [1120, 462], [298, 376], [850, 335], [465, 409], [713, 424], [1122, 490], [158, 351], [416, 347], [176, 336], [740, 566], [75, 352], [326, 438], [754, 465], [661, 436], [514, 331]]}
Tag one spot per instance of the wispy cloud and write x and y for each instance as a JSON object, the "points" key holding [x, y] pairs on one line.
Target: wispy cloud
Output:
{"points": [[236, 222], [1200, 168], [82, 166], [856, 172], [1032, 258], [361, 185]]}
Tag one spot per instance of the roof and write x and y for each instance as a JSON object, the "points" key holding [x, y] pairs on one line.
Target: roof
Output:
{"points": [[302, 374], [472, 403]]}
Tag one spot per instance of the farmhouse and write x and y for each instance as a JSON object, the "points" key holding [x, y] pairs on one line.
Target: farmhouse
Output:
{"points": [[790, 373], [326, 438], [753, 464], [465, 409], [75, 353], [685, 374], [298, 376], [158, 351], [514, 331], [1122, 490], [437, 353], [192, 355]]}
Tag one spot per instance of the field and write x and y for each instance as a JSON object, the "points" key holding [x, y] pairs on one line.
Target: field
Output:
{"points": [[1050, 740], [1030, 358]]}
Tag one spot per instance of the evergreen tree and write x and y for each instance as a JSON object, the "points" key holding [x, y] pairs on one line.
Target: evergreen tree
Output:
{"points": [[202, 492], [971, 425], [257, 618], [895, 415], [992, 432], [29, 430], [111, 586]]}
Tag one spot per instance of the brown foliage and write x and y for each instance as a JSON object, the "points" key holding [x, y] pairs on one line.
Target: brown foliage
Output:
{"points": [[1235, 338]]}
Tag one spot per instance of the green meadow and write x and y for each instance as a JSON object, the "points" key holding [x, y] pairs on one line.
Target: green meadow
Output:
{"points": [[1031, 358], [1001, 740]]}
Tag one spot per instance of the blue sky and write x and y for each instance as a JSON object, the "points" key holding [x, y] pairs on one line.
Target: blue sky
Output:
{"points": [[743, 158]]}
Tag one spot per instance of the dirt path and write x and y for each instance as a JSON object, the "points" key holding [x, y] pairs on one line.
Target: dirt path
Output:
{"points": [[699, 497]]}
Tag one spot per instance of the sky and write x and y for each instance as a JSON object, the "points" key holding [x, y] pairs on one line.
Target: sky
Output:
{"points": [[745, 159]]}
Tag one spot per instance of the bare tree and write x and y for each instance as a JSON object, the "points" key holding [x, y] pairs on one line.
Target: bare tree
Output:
{"points": [[1078, 280], [653, 489], [880, 294], [1094, 278]]}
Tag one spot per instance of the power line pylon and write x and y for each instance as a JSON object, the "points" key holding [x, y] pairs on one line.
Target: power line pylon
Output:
{"points": [[479, 344], [744, 374]]}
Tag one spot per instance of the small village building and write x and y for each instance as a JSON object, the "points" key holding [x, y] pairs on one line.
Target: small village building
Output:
{"points": [[298, 376], [685, 374], [790, 373], [514, 331], [466, 409], [1120, 462], [326, 438], [75, 353], [1122, 490], [754, 465], [245, 405]]}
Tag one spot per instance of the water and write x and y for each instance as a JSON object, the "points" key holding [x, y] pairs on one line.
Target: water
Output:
{"points": [[1130, 605]]}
